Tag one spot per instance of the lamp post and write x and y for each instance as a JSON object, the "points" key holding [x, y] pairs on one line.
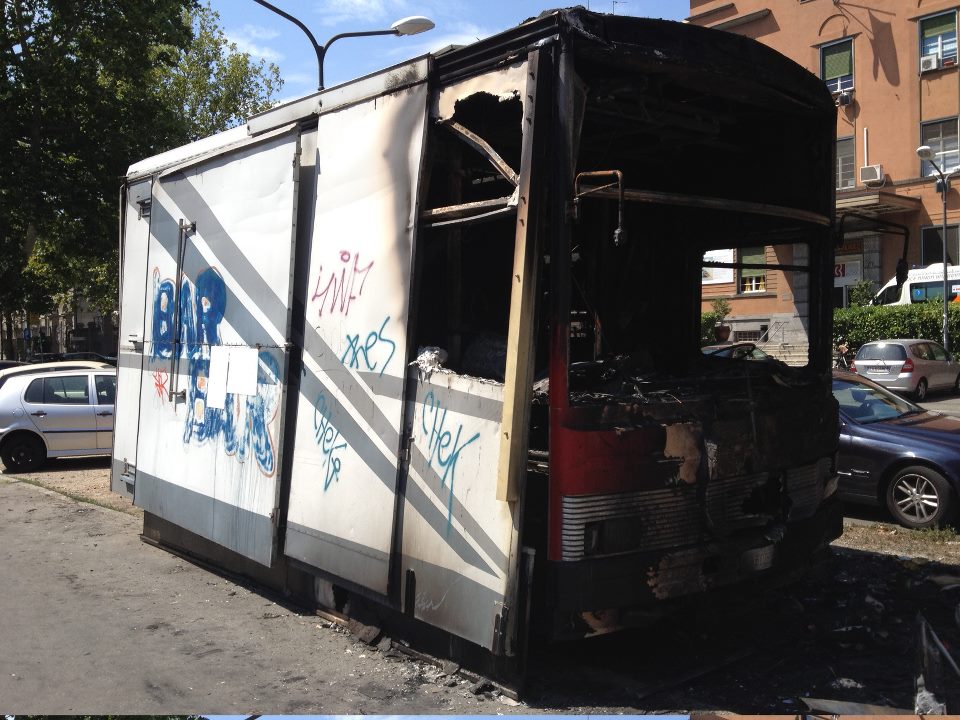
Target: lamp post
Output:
{"points": [[407, 26], [924, 152]]}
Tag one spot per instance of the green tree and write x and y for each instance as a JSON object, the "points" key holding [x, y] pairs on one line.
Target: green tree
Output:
{"points": [[861, 294], [88, 88], [77, 105], [212, 85]]}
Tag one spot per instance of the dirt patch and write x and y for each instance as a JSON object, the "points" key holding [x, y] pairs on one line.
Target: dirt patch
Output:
{"points": [[86, 479], [942, 546]]}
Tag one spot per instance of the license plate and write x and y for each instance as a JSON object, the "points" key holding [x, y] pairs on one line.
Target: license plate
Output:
{"points": [[758, 559]]}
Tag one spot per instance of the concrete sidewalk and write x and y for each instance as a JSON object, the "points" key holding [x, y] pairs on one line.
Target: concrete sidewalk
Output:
{"points": [[97, 622]]}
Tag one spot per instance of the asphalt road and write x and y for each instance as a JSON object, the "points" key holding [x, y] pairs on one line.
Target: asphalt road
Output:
{"points": [[946, 403], [96, 622]]}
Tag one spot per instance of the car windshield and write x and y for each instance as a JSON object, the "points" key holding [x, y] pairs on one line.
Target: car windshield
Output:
{"points": [[867, 402], [881, 351], [747, 351]]}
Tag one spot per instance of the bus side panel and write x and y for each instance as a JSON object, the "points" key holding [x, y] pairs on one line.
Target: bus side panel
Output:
{"points": [[456, 534], [218, 317], [133, 254], [343, 482]]}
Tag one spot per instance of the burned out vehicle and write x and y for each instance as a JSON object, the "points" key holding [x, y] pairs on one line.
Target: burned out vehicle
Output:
{"points": [[430, 339]]}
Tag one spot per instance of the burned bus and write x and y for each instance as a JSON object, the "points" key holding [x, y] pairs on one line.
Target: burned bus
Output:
{"points": [[430, 340]]}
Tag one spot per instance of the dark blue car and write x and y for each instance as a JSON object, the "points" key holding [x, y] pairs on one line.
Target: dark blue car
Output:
{"points": [[897, 454]]}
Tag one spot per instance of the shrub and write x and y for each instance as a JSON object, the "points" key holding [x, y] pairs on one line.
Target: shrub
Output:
{"points": [[860, 325], [707, 321]]}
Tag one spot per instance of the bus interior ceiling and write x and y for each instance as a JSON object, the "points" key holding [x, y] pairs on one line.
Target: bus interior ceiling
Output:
{"points": [[640, 299]]}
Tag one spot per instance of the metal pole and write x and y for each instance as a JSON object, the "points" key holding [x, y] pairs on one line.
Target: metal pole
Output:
{"points": [[313, 41], [944, 185], [321, 50]]}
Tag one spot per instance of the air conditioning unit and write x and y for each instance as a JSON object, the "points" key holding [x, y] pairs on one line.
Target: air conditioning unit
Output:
{"points": [[870, 174], [843, 99], [929, 62]]}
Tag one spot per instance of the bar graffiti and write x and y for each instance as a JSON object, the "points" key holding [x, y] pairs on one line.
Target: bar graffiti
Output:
{"points": [[442, 445], [242, 426]]}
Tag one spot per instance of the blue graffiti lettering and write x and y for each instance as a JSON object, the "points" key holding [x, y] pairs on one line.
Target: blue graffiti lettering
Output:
{"points": [[326, 436], [243, 424], [162, 328], [442, 445], [375, 345]]}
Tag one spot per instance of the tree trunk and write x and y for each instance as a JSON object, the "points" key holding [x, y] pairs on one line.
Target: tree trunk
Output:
{"points": [[7, 346]]}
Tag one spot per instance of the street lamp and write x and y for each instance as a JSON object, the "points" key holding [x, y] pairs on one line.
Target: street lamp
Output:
{"points": [[924, 152], [407, 26]]}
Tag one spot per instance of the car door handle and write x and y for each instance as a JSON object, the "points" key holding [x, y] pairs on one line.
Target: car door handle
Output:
{"points": [[39, 413], [104, 413]]}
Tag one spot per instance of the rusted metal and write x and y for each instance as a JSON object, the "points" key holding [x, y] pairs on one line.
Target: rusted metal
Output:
{"points": [[484, 148], [714, 203], [486, 209]]}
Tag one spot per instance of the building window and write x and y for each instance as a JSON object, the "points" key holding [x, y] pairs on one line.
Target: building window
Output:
{"points": [[845, 163], [938, 36], [836, 65], [941, 136], [752, 279], [931, 249]]}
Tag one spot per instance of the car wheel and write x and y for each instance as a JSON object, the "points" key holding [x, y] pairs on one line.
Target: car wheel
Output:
{"points": [[23, 453], [956, 386], [919, 497], [920, 392]]}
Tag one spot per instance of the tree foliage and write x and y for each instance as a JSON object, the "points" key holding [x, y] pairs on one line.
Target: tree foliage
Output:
{"points": [[88, 88], [862, 293], [211, 84]]}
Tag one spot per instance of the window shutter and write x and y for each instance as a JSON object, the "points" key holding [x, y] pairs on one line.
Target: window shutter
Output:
{"points": [[939, 25], [752, 256], [837, 61]]}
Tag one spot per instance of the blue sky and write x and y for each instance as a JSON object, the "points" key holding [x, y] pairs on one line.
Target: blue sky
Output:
{"points": [[266, 35]]}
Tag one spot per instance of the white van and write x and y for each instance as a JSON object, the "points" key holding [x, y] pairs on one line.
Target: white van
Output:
{"points": [[922, 285]]}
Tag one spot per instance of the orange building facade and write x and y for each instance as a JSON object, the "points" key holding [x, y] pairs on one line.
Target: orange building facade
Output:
{"points": [[892, 67]]}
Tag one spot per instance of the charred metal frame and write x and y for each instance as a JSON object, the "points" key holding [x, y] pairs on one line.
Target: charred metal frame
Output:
{"points": [[481, 210], [185, 227]]}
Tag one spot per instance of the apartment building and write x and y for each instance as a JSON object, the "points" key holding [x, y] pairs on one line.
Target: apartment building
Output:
{"points": [[891, 66]]}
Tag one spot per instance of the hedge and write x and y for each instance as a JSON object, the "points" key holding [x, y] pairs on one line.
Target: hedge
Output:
{"points": [[923, 320], [865, 324]]}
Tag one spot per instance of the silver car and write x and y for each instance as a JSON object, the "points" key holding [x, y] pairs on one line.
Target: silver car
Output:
{"points": [[56, 413], [908, 366]]}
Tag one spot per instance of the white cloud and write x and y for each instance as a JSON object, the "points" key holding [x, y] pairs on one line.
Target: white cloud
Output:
{"points": [[246, 41], [457, 34], [363, 14], [335, 12], [258, 32]]}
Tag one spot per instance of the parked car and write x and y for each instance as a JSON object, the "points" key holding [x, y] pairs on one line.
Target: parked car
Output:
{"points": [[908, 366], [55, 413], [895, 453], [74, 356], [736, 351], [32, 369]]}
